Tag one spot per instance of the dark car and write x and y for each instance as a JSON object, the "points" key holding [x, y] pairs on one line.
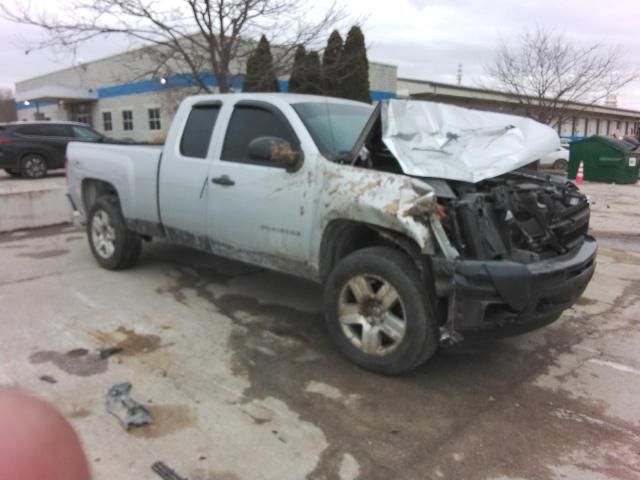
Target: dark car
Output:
{"points": [[30, 149]]}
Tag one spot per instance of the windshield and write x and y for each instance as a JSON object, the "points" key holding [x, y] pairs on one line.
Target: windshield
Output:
{"points": [[335, 127]]}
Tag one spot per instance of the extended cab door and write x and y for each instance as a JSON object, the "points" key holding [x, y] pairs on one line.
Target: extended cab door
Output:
{"points": [[183, 178], [258, 211]]}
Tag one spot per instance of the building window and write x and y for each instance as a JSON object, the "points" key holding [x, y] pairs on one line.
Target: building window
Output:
{"points": [[154, 118], [107, 121], [127, 120]]}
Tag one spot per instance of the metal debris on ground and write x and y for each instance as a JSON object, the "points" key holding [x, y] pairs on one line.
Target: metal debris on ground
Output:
{"points": [[48, 379], [107, 352], [124, 408], [165, 472]]}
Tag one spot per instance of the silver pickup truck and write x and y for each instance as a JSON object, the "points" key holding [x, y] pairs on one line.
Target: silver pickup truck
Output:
{"points": [[416, 217]]}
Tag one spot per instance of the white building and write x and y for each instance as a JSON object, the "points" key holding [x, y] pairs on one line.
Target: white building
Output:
{"points": [[120, 98]]}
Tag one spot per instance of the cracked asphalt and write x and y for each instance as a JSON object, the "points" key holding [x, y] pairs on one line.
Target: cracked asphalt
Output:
{"points": [[236, 367]]}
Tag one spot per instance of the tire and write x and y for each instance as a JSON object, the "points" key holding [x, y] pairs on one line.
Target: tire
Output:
{"points": [[113, 245], [12, 172], [560, 164], [358, 317], [33, 166]]}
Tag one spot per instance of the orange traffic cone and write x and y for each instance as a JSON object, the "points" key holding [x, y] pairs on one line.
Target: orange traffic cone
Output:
{"points": [[580, 175]]}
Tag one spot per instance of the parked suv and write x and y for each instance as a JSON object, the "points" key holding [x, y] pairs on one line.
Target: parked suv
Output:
{"points": [[30, 149]]}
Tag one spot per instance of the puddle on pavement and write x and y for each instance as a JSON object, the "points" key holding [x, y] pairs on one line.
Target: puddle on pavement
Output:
{"points": [[472, 398], [167, 419], [74, 362], [128, 340], [22, 235], [394, 414], [45, 253]]}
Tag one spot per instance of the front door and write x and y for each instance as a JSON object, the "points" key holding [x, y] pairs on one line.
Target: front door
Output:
{"points": [[259, 212], [184, 175]]}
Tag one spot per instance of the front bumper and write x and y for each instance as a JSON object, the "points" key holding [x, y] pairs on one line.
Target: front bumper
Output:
{"points": [[502, 298]]}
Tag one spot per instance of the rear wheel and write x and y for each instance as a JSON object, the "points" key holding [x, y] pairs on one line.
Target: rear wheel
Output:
{"points": [[377, 313], [113, 245], [560, 164], [33, 166]]}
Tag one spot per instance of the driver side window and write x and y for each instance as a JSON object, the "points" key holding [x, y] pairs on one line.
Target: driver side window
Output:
{"points": [[248, 123]]}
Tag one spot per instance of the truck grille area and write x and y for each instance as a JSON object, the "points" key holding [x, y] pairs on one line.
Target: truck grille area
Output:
{"points": [[520, 216]]}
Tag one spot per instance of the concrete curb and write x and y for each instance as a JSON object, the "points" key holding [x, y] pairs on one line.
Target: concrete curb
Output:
{"points": [[33, 208]]}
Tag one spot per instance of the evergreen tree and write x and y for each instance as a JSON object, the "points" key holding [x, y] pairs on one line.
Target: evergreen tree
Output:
{"points": [[296, 80], [312, 74], [356, 65], [331, 66], [260, 76]]}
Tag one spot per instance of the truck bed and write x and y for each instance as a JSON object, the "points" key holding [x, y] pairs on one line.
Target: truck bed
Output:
{"points": [[132, 169]]}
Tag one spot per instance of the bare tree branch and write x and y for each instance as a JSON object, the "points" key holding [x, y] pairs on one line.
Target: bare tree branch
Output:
{"points": [[195, 36], [549, 75]]}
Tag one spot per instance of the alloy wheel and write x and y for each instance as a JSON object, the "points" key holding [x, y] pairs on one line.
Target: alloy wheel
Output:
{"points": [[372, 315], [103, 234], [35, 167]]}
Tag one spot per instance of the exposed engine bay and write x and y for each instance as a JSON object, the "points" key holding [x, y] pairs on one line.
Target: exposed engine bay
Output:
{"points": [[522, 216]]}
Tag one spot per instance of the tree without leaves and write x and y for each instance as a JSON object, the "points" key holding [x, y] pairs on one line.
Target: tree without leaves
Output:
{"points": [[260, 76], [355, 67], [547, 73], [195, 36], [331, 66]]}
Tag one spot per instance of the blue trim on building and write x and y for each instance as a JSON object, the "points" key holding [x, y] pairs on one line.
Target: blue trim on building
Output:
{"points": [[379, 95], [182, 81]]}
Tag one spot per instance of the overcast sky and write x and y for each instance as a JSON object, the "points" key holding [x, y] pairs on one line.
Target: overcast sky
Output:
{"points": [[425, 39]]}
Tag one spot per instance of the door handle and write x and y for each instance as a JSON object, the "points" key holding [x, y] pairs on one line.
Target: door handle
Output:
{"points": [[223, 180]]}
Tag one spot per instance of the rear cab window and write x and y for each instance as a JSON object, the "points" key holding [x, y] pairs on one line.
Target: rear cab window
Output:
{"points": [[249, 122], [198, 130]]}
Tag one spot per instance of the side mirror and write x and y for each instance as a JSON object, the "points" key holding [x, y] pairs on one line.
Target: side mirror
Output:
{"points": [[276, 151]]}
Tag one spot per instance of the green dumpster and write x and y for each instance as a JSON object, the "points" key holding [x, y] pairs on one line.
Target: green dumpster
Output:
{"points": [[605, 160]]}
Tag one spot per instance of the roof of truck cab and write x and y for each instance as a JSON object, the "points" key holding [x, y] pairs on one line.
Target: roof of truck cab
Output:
{"points": [[291, 98]]}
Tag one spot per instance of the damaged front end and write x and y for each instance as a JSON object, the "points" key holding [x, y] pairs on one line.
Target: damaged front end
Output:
{"points": [[524, 254], [509, 248]]}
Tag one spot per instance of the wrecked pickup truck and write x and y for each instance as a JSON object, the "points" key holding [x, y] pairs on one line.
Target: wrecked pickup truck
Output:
{"points": [[416, 217]]}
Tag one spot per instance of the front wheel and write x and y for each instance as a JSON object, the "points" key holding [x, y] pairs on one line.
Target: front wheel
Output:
{"points": [[377, 311], [113, 245]]}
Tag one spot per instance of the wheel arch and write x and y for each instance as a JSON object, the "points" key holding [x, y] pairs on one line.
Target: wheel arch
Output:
{"points": [[342, 237], [92, 189]]}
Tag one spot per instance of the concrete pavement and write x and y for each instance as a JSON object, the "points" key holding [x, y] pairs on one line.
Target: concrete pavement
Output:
{"points": [[236, 367]]}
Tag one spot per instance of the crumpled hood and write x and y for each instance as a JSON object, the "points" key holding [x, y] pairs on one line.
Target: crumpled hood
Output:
{"points": [[436, 140]]}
